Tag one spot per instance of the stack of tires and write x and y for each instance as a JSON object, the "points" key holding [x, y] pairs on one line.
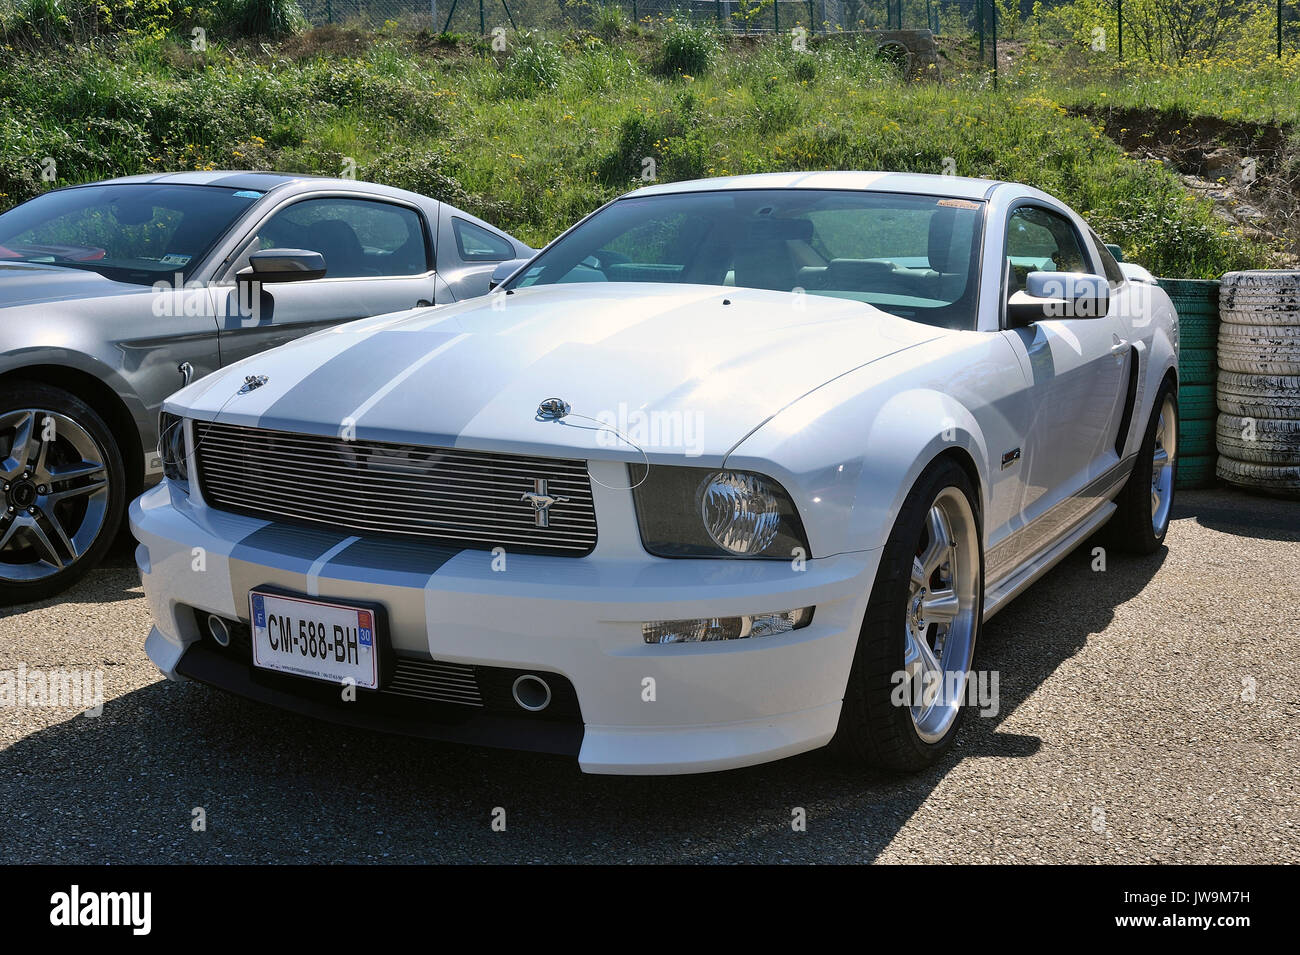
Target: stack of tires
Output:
{"points": [[1259, 381], [1197, 303]]}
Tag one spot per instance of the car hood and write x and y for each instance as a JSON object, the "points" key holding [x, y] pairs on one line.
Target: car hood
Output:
{"points": [[22, 283], [676, 369]]}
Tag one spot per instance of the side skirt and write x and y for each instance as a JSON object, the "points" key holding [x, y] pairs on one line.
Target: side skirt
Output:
{"points": [[1096, 501], [1000, 594]]}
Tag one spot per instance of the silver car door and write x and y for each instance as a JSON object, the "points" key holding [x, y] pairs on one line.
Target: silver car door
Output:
{"points": [[378, 259], [1078, 369]]}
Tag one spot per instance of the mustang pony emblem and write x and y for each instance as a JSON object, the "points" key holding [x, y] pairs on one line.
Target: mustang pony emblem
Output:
{"points": [[541, 501]]}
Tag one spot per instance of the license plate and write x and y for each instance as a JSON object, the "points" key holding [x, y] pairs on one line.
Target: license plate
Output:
{"points": [[315, 639]]}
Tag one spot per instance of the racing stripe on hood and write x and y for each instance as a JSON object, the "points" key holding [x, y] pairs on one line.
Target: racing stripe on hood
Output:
{"points": [[335, 390], [455, 387]]}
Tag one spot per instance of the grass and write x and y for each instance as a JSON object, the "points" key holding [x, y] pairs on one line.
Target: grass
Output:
{"points": [[1245, 85], [539, 135]]}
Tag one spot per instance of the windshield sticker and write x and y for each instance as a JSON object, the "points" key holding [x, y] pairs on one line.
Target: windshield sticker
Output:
{"points": [[248, 194], [958, 204], [172, 258]]}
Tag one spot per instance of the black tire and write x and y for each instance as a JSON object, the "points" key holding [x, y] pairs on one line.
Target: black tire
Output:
{"points": [[873, 731], [1131, 527], [18, 551]]}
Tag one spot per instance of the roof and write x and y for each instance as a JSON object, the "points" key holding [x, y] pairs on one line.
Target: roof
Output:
{"points": [[957, 187], [263, 182], [234, 179]]}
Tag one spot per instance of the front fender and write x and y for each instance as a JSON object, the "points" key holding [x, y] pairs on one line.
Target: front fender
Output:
{"points": [[850, 451]]}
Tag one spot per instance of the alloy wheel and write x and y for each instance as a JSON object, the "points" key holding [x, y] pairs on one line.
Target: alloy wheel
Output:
{"points": [[941, 611], [1162, 465], [55, 493]]}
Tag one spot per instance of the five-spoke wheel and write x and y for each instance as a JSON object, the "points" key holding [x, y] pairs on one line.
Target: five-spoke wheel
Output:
{"points": [[61, 490], [941, 614], [1162, 464], [908, 684]]}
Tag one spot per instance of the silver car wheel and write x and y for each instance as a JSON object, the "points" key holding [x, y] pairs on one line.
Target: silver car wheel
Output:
{"points": [[941, 613], [1162, 465], [55, 493]]}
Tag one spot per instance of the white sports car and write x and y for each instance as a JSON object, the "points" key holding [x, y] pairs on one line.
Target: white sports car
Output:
{"points": [[732, 470]]}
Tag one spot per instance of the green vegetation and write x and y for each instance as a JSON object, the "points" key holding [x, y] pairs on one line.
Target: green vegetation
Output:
{"points": [[538, 135]]}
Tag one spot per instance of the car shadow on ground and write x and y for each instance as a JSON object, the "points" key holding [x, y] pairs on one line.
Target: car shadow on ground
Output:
{"points": [[276, 787], [1249, 515]]}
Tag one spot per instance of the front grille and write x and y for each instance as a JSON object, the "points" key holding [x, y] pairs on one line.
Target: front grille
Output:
{"points": [[467, 498]]}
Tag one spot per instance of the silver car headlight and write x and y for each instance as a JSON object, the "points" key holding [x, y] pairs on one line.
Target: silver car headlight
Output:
{"points": [[707, 512], [172, 450]]}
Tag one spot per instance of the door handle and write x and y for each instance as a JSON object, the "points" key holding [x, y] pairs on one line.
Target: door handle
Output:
{"points": [[423, 303], [1120, 345], [187, 371]]}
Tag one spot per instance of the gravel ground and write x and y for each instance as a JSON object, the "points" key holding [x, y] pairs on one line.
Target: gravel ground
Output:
{"points": [[1122, 736]]}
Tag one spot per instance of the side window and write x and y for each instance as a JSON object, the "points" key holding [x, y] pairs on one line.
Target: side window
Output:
{"points": [[357, 237], [1039, 240], [477, 244], [1114, 274]]}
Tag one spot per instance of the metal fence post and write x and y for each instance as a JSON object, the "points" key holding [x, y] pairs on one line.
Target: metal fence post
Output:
{"points": [[1119, 25], [1279, 29], [482, 23], [993, 9], [979, 20], [776, 16]]}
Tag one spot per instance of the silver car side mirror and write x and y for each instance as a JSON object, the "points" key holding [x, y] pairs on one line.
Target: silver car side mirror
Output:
{"points": [[504, 271], [283, 265], [1051, 295]]}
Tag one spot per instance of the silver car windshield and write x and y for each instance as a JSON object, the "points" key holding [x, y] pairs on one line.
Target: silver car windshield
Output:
{"points": [[914, 256], [129, 232]]}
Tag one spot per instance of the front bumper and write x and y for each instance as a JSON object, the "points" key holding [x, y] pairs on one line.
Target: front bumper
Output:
{"points": [[644, 709]]}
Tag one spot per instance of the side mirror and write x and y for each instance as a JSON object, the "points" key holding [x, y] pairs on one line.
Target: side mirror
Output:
{"points": [[283, 265], [1050, 295], [504, 271]]}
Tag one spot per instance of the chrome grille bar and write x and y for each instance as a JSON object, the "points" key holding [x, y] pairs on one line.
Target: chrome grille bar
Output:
{"points": [[467, 498]]}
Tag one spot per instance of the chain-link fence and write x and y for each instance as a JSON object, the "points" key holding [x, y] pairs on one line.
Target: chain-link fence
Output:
{"points": [[1155, 30], [737, 16]]}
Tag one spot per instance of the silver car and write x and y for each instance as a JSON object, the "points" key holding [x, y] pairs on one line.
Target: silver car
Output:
{"points": [[117, 293]]}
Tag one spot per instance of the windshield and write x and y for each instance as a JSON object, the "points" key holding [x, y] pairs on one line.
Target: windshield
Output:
{"points": [[132, 232], [914, 256]]}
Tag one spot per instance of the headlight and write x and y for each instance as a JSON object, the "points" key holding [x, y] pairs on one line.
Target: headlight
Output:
{"points": [[705, 512], [172, 450], [741, 512]]}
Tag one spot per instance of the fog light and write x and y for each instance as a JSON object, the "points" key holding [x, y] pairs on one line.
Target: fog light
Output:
{"points": [[709, 629]]}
